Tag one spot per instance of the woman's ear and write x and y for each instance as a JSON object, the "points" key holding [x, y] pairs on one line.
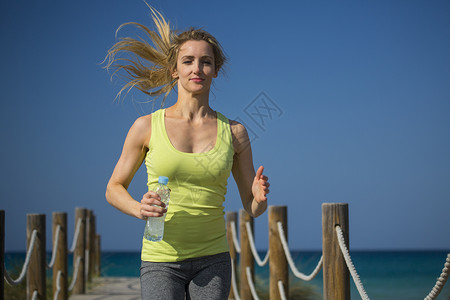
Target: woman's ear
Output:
{"points": [[175, 74]]}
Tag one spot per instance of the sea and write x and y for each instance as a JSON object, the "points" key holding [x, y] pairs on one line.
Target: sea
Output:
{"points": [[386, 275]]}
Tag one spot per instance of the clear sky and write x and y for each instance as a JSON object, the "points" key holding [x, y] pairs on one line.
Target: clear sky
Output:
{"points": [[357, 97]]}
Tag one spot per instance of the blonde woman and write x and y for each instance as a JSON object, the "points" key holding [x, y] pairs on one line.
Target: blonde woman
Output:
{"points": [[197, 148]]}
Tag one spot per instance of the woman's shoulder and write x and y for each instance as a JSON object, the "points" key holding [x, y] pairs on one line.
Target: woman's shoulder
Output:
{"points": [[237, 128], [141, 129], [145, 121], [239, 136]]}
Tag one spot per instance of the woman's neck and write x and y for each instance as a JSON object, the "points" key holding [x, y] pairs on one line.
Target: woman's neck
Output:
{"points": [[192, 107]]}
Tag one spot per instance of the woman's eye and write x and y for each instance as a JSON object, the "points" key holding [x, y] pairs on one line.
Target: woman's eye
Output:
{"points": [[187, 62], [207, 62]]}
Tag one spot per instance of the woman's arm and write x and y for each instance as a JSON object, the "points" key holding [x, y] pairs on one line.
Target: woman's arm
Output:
{"points": [[133, 154], [253, 188]]}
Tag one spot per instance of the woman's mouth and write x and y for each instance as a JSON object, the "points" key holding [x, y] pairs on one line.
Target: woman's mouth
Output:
{"points": [[197, 79]]}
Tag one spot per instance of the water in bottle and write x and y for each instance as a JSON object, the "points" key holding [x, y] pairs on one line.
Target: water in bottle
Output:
{"points": [[154, 228]]}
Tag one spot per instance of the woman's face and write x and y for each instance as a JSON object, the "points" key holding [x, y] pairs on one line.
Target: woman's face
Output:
{"points": [[195, 67]]}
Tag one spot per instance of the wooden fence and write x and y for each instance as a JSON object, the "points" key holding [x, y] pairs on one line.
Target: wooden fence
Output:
{"points": [[85, 249], [336, 278]]}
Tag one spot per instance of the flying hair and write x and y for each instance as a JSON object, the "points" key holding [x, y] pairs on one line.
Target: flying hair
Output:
{"points": [[149, 66]]}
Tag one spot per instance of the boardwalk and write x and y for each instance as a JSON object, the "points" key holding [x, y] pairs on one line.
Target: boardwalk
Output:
{"points": [[112, 288]]}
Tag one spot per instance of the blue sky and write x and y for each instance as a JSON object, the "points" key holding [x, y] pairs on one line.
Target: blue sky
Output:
{"points": [[360, 99]]}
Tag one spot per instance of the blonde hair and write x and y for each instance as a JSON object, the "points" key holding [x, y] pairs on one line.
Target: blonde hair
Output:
{"points": [[150, 68]]}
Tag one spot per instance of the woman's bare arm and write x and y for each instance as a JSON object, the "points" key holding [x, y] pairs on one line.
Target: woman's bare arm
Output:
{"points": [[133, 154], [253, 188]]}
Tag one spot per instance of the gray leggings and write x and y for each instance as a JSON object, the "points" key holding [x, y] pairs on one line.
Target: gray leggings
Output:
{"points": [[207, 277]]}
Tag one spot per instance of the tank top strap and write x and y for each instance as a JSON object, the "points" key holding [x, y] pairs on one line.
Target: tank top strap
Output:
{"points": [[157, 126], [224, 137]]}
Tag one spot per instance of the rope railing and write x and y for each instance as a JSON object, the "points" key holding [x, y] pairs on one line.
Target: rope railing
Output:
{"points": [[294, 269], [335, 260], [436, 290], [248, 271], [55, 246], [357, 280], [262, 262], [233, 281], [350, 266], [234, 235], [258, 260], [281, 290], [75, 236], [58, 285], [35, 258], [21, 277], [75, 274], [35, 295]]}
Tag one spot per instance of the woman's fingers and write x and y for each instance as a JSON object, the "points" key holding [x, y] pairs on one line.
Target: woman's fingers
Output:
{"points": [[261, 184], [265, 184], [259, 172], [151, 195], [152, 206], [152, 198]]}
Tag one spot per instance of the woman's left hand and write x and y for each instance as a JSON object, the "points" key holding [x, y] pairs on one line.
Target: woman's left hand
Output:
{"points": [[260, 186]]}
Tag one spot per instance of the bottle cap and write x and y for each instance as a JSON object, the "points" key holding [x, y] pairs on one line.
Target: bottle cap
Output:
{"points": [[163, 179]]}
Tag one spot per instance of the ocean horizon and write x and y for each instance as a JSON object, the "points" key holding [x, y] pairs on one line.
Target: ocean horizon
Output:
{"points": [[385, 274]]}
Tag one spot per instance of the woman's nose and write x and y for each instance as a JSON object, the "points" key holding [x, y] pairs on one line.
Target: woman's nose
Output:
{"points": [[197, 67]]}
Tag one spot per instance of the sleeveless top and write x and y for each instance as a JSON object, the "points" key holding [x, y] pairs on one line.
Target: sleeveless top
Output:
{"points": [[195, 224]]}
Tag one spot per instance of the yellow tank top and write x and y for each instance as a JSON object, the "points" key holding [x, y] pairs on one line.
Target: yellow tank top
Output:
{"points": [[195, 224]]}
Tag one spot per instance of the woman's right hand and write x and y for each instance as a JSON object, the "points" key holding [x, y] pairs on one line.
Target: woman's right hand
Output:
{"points": [[152, 206]]}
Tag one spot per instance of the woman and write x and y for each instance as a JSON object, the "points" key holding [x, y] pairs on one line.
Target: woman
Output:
{"points": [[196, 147]]}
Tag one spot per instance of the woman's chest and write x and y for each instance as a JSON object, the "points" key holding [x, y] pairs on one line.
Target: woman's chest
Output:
{"points": [[191, 138]]}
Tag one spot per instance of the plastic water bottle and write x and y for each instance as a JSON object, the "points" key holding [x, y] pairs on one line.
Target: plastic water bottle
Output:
{"points": [[154, 228]]}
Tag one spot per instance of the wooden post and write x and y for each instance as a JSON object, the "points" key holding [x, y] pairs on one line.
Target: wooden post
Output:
{"points": [[92, 246], [80, 284], [98, 254], [231, 217], [36, 270], [60, 219], [90, 237], [336, 277], [246, 255], [278, 265], [2, 254]]}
